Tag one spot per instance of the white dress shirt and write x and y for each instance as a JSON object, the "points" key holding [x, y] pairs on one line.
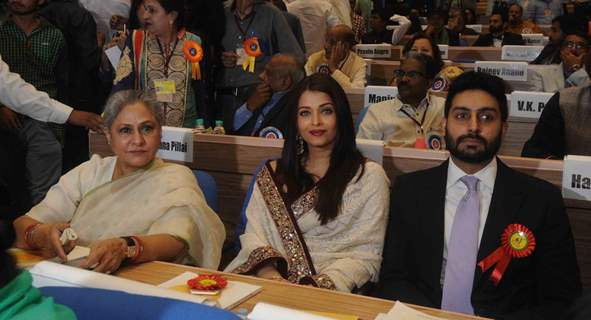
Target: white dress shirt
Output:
{"points": [[20, 96], [455, 191]]}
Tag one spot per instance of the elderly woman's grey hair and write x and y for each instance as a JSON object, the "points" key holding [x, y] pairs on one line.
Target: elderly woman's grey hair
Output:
{"points": [[121, 99]]}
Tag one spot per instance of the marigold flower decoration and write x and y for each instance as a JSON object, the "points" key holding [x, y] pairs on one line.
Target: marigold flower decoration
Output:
{"points": [[207, 282]]}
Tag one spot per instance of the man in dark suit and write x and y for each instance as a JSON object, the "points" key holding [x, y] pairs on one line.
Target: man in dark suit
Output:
{"points": [[446, 223], [496, 36], [264, 113]]}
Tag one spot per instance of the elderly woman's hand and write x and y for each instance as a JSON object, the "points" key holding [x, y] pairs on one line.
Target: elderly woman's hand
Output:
{"points": [[106, 255], [47, 238]]}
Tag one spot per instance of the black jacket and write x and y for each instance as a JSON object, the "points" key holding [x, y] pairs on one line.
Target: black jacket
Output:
{"points": [[277, 117], [539, 286], [486, 40]]}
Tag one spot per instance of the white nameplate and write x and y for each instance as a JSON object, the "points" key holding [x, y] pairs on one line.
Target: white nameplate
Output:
{"points": [[371, 149], [535, 39], [576, 178], [374, 51], [475, 27], [510, 71], [443, 50], [525, 104], [520, 53], [376, 94], [176, 144]]}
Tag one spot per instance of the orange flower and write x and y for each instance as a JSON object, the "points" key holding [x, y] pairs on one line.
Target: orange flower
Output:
{"points": [[207, 282]]}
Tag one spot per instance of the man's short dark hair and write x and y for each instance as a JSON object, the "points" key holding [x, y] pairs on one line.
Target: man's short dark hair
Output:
{"points": [[502, 13], [473, 80], [431, 66]]}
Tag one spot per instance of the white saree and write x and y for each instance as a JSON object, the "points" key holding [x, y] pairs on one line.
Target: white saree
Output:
{"points": [[162, 199], [343, 254]]}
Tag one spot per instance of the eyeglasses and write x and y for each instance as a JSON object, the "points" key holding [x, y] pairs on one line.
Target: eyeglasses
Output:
{"points": [[576, 45], [399, 74]]}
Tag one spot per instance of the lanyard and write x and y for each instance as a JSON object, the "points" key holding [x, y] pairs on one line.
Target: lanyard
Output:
{"points": [[244, 31], [420, 124], [166, 57]]}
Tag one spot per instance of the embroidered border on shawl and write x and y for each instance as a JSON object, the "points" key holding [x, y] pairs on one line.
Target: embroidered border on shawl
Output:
{"points": [[320, 281], [305, 203], [299, 263], [258, 257]]}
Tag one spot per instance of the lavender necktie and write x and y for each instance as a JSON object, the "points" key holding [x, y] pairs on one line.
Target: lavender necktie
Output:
{"points": [[462, 251]]}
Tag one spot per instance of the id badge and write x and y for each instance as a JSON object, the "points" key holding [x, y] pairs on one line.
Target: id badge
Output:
{"points": [[164, 90], [241, 53]]}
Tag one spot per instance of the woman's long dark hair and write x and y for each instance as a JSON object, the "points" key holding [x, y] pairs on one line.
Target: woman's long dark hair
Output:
{"points": [[436, 53], [345, 159]]}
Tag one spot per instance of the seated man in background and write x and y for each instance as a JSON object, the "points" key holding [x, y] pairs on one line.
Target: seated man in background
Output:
{"points": [[414, 116], [438, 32], [564, 126], [573, 50], [457, 23], [381, 31], [264, 113], [338, 60], [446, 223], [551, 52], [516, 23], [497, 36]]}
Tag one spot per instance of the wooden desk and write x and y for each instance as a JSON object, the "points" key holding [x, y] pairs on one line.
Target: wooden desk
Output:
{"points": [[284, 294], [231, 160]]}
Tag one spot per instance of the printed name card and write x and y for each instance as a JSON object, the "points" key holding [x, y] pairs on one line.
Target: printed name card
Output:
{"points": [[520, 53], [535, 39], [510, 71], [576, 178], [443, 49], [176, 144], [371, 149], [475, 27], [375, 94], [525, 104], [374, 51]]}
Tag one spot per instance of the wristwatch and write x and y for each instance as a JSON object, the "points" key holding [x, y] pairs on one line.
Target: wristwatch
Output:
{"points": [[131, 248]]}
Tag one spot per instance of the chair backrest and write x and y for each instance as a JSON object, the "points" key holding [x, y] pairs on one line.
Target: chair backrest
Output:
{"points": [[242, 225], [91, 303], [209, 187]]}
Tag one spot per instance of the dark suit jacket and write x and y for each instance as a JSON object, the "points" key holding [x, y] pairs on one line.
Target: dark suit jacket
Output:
{"points": [[540, 286], [486, 40], [276, 117]]}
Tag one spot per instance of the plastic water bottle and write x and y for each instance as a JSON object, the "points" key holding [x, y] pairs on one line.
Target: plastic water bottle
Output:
{"points": [[199, 127], [219, 127]]}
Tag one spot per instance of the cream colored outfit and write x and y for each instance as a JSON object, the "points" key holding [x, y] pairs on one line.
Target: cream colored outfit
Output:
{"points": [[345, 253], [351, 73], [387, 122], [163, 199]]}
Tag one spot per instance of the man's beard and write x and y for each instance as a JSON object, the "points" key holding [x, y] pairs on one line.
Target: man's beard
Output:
{"points": [[486, 154], [24, 13], [494, 29]]}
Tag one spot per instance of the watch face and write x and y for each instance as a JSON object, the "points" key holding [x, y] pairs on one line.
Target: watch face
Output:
{"points": [[131, 251]]}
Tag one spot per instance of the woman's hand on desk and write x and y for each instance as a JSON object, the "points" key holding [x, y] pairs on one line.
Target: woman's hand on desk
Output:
{"points": [[106, 255], [269, 272], [47, 237]]}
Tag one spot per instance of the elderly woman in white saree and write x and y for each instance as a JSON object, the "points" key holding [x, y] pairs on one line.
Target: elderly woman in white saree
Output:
{"points": [[318, 215], [129, 208]]}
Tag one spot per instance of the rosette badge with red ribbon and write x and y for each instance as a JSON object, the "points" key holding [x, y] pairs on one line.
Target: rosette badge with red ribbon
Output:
{"points": [[194, 53], [517, 241], [210, 282], [253, 50]]}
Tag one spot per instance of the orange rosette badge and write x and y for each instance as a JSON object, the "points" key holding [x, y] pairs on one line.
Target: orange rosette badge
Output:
{"points": [[207, 282], [194, 54], [517, 241], [253, 50]]}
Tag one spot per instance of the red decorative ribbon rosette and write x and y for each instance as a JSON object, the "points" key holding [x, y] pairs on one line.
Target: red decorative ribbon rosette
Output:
{"points": [[253, 50], [517, 241], [194, 53], [207, 282]]}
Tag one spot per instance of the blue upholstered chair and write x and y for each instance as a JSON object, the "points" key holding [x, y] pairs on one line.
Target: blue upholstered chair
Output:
{"points": [[209, 187], [90, 303], [360, 117]]}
